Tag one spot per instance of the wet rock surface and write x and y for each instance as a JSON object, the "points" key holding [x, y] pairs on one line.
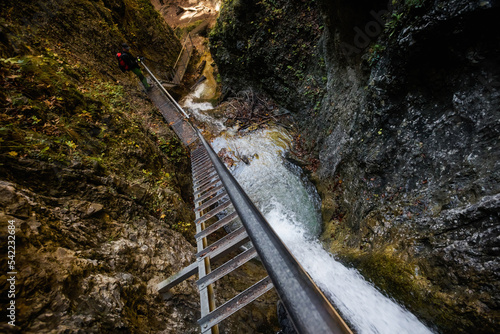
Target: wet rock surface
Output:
{"points": [[97, 184], [90, 263], [403, 117]]}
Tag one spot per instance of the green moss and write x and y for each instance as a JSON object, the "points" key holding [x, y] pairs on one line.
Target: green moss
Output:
{"points": [[398, 276], [181, 32], [375, 53], [69, 116], [173, 149], [402, 14], [88, 31], [72, 126], [414, 3], [271, 44]]}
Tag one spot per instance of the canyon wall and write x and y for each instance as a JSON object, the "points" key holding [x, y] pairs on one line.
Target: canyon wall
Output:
{"points": [[397, 104]]}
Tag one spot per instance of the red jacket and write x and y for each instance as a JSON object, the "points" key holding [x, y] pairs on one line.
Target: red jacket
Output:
{"points": [[126, 61]]}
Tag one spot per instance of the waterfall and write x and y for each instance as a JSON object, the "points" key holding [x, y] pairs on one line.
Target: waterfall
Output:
{"points": [[291, 206]]}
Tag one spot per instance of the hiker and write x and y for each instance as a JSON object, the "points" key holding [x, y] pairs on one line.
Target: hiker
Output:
{"points": [[127, 62]]}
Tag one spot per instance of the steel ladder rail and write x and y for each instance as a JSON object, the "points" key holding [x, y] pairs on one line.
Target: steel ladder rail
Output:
{"points": [[208, 204], [308, 308]]}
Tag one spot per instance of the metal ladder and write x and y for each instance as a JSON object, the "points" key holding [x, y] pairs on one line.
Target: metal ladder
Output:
{"points": [[212, 202], [216, 193]]}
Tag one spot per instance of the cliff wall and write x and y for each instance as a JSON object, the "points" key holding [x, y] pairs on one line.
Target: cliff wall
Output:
{"points": [[94, 181], [398, 106], [96, 185]]}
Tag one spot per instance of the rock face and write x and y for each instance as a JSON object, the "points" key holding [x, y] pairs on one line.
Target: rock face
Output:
{"points": [[93, 196], [89, 258], [399, 102], [97, 185]]}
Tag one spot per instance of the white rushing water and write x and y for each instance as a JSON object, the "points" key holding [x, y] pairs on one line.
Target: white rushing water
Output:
{"points": [[197, 108], [292, 209]]}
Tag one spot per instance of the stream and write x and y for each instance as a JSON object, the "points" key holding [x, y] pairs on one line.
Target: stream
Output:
{"points": [[291, 205]]}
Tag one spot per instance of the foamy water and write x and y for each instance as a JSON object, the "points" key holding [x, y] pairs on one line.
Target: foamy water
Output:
{"points": [[197, 109], [291, 206]]}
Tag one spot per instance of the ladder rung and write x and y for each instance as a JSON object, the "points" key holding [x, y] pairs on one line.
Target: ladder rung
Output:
{"points": [[206, 188], [208, 181], [229, 240], [178, 277], [208, 194], [198, 150], [204, 179], [194, 267], [217, 225], [198, 171], [213, 212], [235, 304], [227, 267], [206, 172], [198, 162], [221, 251], [211, 201]]}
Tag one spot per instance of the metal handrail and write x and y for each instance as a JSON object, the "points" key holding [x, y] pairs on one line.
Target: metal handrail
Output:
{"points": [[309, 309], [166, 92]]}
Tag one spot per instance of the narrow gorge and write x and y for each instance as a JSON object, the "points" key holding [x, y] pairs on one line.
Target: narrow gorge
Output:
{"points": [[397, 105], [367, 132]]}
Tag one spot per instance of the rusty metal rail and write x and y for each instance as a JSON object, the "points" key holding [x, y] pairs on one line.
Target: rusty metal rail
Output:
{"points": [[219, 201]]}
